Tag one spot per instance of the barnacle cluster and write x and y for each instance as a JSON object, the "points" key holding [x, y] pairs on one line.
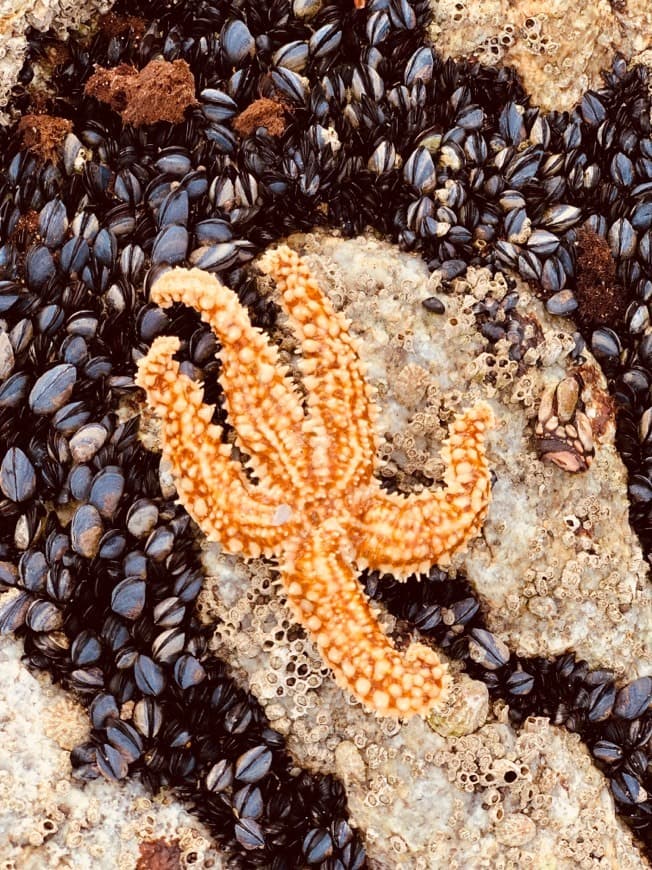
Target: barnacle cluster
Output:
{"points": [[447, 159]]}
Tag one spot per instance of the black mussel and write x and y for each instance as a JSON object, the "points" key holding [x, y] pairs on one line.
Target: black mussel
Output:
{"points": [[561, 217], [79, 482], [174, 209], [13, 391], [50, 319], [520, 683], [592, 108], [106, 490], [86, 649], [128, 598], [52, 389], [114, 633], [290, 85], [293, 55], [249, 834], [148, 717], [622, 239], [238, 718], [86, 441], [168, 645], [170, 245], [84, 762], [169, 612], [39, 267], [8, 574], [428, 617], [217, 105], [236, 41], [487, 649], [135, 564], [87, 679], [102, 709], [74, 255], [605, 343], [132, 263], [402, 15], [188, 671], [14, 605], [60, 583], [53, 223], [248, 802], [562, 303], [324, 41], [149, 676], [97, 367], [111, 763], [420, 67], [112, 545], [142, 518], [86, 225], [627, 790], [220, 777], [33, 570], [159, 544], [150, 322], [125, 738], [317, 846], [253, 765], [419, 170], [634, 699], [601, 701], [86, 530], [212, 230], [17, 475]]}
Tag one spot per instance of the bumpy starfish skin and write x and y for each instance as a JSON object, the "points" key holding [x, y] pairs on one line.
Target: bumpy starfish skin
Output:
{"points": [[318, 507]]}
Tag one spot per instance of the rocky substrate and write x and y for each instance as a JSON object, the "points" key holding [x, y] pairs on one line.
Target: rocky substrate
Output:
{"points": [[557, 569]]}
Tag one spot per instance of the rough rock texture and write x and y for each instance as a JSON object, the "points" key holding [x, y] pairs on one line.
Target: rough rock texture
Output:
{"points": [[17, 15], [558, 47], [557, 567], [49, 820]]}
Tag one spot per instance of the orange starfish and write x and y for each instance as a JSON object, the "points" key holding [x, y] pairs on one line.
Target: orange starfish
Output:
{"points": [[317, 507]]}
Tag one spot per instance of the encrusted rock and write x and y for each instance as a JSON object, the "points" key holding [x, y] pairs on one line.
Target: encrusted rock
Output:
{"points": [[465, 710], [515, 830], [563, 431], [16, 16], [49, 820], [558, 49], [424, 366]]}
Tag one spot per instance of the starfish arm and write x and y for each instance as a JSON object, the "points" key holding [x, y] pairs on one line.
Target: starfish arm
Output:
{"points": [[326, 597], [403, 536], [338, 395], [211, 486], [262, 405]]}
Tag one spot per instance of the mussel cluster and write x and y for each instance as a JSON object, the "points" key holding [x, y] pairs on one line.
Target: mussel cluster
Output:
{"points": [[373, 129]]}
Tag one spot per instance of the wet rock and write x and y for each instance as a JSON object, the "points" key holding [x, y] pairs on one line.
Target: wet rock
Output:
{"points": [[555, 67], [554, 548]]}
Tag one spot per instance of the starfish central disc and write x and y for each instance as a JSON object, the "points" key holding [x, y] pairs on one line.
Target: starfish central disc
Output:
{"points": [[317, 507]]}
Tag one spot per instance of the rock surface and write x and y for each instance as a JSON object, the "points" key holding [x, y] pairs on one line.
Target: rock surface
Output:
{"points": [[558, 568], [17, 15], [568, 575], [49, 820], [559, 48]]}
